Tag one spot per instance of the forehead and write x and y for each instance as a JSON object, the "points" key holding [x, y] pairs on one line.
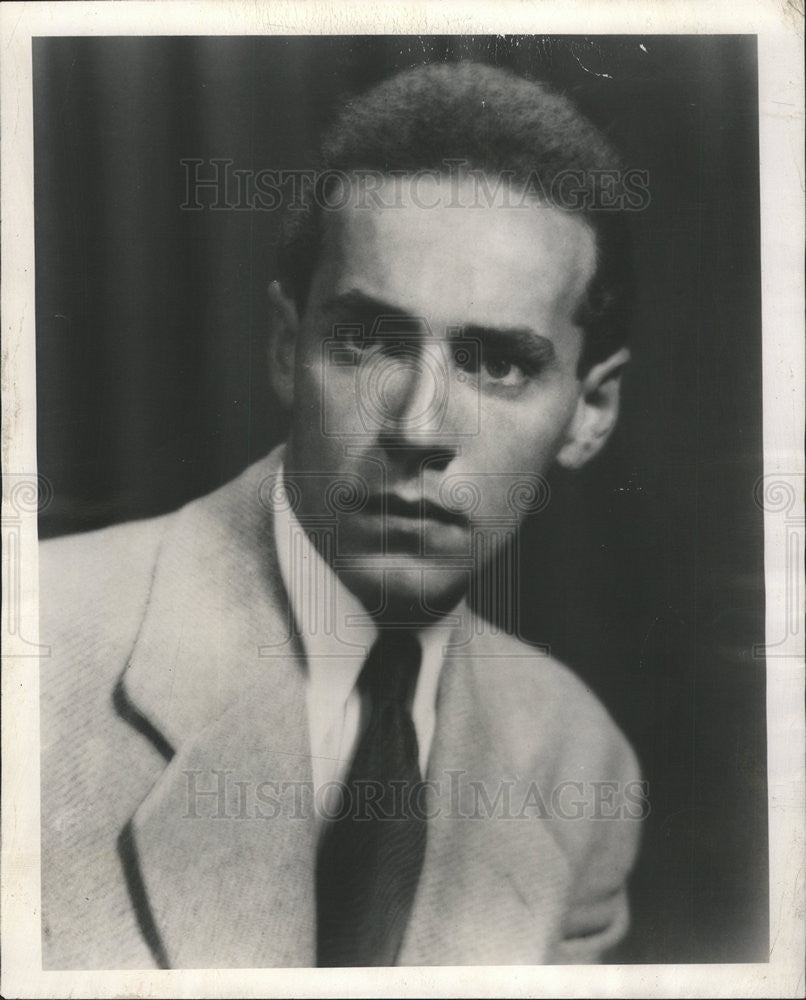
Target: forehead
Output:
{"points": [[438, 250]]}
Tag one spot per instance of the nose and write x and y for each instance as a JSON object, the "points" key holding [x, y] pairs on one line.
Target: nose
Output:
{"points": [[413, 388]]}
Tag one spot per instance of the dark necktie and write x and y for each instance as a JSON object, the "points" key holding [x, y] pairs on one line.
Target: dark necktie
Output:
{"points": [[371, 854]]}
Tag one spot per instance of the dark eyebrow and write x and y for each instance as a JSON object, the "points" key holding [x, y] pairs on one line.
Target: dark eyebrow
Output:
{"points": [[358, 303], [522, 339]]}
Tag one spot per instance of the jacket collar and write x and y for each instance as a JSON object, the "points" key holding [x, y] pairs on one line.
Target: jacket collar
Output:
{"points": [[217, 672], [217, 616]]}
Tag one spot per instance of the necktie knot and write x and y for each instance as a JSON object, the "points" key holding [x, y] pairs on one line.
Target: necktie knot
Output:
{"points": [[390, 671]]}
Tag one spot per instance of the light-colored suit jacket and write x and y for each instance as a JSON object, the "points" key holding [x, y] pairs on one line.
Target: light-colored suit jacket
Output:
{"points": [[175, 671]]}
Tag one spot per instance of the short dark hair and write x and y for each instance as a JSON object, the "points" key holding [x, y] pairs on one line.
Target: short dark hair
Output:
{"points": [[498, 124]]}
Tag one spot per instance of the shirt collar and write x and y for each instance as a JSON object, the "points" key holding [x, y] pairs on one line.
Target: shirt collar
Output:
{"points": [[336, 631]]}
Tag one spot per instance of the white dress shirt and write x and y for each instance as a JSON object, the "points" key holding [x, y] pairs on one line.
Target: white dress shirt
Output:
{"points": [[337, 635]]}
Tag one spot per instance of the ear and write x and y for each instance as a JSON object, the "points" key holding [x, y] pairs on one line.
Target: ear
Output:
{"points": [[282, 342], [596, 412]]}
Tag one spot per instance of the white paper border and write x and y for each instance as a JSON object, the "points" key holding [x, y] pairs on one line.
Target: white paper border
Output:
{"points": [[781, 92]]}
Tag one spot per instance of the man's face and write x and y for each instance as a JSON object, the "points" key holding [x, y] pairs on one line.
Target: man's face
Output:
{"points": [[436, 379]]}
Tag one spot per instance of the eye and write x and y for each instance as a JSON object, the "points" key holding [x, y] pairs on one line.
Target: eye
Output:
{"points": [[494, 365], [352, 346], [497, 367], [500, 370]]}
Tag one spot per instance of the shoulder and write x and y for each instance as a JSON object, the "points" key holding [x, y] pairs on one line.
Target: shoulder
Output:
{"points": [[101, 549], [95, 588], [93, 591], [97, 576], [541, 707], [558, 737]]}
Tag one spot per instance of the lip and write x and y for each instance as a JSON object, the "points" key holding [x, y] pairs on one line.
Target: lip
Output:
{"points": [[398, 512]]}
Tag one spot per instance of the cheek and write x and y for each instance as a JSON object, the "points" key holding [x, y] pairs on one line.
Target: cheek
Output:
{"points": [[326, 410], [506, 465], [316, 379], [528, 435]]}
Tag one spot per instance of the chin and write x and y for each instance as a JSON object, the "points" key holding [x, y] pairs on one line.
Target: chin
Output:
{"points": [[420, 593]]}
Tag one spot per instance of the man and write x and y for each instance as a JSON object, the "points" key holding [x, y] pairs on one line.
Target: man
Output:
{"points": [[274, 733]]}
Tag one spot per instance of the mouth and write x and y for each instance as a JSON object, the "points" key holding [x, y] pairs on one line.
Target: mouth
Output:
{"points": [[410, 514]]}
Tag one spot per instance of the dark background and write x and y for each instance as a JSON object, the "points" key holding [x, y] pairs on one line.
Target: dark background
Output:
{"points": [[645, 572]]}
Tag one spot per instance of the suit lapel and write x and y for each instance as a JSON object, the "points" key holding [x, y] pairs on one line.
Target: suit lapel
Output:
{"points": [[493, 885], [223, 844]]}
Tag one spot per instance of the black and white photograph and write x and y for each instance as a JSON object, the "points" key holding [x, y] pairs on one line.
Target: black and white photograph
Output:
{"points": [[400, 411]]}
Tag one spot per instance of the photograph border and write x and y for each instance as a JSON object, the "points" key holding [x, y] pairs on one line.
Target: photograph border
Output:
{"points": [[779, 28]]}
